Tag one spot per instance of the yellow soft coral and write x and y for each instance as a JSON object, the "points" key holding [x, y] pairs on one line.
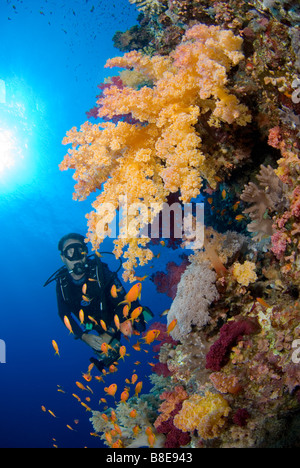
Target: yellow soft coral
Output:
{"points": [[146, 162], [244, 273], [204, 413]]}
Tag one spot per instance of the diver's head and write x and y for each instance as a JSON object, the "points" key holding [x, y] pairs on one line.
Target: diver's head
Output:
{"points": [[73, 252]]}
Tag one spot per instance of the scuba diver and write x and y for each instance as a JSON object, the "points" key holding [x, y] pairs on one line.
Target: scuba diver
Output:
{"points": [[88, 299]]}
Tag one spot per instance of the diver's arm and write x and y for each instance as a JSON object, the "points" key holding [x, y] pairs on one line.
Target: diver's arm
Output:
{"points": [[95, 341]]}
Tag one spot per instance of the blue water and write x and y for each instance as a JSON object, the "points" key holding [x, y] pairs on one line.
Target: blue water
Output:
{"points": [[52, 58]]}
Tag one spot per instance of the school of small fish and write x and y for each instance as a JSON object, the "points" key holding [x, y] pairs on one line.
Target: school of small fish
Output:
{"points": [[115, 392]]}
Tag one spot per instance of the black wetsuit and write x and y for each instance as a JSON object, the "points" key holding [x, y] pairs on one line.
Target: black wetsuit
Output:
{"points": [[97, 303]]}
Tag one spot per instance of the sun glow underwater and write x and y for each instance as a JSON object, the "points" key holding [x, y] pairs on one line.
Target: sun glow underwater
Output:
{"points": [[15, 133]]}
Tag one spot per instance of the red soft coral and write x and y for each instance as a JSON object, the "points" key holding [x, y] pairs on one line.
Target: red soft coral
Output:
{"points": [[240, 417], [230, 334], [167, 282], [161, 369], [175, 437]]}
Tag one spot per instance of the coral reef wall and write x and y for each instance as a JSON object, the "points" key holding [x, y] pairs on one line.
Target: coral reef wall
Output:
{"points": [[208, 103]]}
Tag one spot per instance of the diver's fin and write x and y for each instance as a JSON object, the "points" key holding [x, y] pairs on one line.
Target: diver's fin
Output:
{"points": [[98, 364], [147, 314]]}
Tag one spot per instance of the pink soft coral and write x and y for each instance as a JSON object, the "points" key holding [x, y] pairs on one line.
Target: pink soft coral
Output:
{"points": [[279, 243]]}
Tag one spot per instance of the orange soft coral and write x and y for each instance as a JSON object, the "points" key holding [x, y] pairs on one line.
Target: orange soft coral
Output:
{"points": [[170, 402], [225, 383], [204, 413], [146, 162]]}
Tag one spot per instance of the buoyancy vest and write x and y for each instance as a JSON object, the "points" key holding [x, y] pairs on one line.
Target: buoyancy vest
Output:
{"points": [[96, 292]]}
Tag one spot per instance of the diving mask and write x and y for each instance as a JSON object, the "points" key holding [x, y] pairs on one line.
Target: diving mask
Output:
{"points": [[75, 252]]}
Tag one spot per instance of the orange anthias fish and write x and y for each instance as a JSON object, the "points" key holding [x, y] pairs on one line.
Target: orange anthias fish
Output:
{"points": [[122, 352], [134, 378], [103, 325], [136, 429], [126, 311], [70, 428], [124, 396], [151, 440], [133, 294], [113, 416], [118, 444], [137, 346], [81, 317], [80, 385], [85, 298], [76, 396], [263, 302], [87, 377], [138, 388], [112, 368], [235, 206], [111, 390], [136, 313], [114, 291], [142, 278], [118, 429], [151, 336], [151, 436], [92, 320], [104, 417], [67, 324], [108, 437], [133, 413], [171, 326], [54, 344], [105, 348], [126, 328], [117, 321], [149, 430], [87, 408]]}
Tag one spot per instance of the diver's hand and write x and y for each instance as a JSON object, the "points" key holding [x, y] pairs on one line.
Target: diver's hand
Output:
{"points": [[94, 341]]}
